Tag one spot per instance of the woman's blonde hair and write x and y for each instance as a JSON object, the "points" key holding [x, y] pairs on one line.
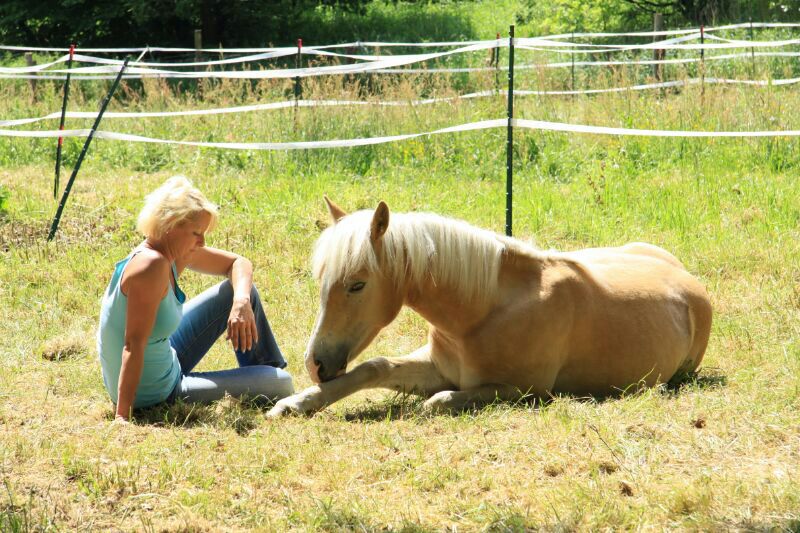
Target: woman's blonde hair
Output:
{"points": [[176, 201]]}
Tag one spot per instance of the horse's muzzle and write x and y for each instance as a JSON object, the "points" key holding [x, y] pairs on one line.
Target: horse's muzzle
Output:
{"points": [[313, 369], [327, 367]]}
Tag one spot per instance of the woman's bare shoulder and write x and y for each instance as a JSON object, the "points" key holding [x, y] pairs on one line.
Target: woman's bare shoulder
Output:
{"points": [[148, 268]]}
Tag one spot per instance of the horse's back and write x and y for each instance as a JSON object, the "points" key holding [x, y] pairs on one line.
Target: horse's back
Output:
{"points": [[632, 248]]}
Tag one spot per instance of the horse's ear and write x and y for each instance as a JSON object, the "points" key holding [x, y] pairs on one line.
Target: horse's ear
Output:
{"points": [[380, 222], [336, 212]]}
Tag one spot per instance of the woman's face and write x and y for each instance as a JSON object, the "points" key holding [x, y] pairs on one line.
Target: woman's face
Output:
{"points": [[189, 235]]}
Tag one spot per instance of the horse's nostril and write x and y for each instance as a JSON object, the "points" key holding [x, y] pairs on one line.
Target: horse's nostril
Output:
{"points": [[319, 366]]}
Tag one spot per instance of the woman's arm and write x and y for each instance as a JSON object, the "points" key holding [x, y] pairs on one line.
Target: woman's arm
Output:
{"points": [[144, 283], [242, 330]]}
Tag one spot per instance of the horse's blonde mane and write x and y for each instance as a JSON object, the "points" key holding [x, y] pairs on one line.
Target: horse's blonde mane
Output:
{"points": [[415, 245]]}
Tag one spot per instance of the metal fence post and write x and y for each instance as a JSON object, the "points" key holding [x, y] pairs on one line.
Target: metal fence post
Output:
{"points": [[68, 188], [510, 136], [61, 123]]}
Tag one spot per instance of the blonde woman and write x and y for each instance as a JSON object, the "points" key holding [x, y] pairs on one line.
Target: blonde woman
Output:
{"points": [[149, 340]]}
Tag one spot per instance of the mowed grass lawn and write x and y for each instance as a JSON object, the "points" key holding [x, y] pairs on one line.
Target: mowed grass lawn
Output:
{"points": [[720, 452]]}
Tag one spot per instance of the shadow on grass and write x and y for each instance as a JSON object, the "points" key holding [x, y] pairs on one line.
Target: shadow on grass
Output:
{"points": [[241, 415], [395, 407], [705, 378], [244, 415], [404, 407]]}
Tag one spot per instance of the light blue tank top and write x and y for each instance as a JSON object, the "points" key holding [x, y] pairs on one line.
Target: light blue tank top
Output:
{"points": [[161, 371]]}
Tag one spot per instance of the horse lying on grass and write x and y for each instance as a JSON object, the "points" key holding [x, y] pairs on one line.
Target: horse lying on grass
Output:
{"points": [[506, 319]]}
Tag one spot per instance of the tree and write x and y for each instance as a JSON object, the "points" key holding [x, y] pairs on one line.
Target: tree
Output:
{"points": [[713, 12], [166, 22], [694, 11]]}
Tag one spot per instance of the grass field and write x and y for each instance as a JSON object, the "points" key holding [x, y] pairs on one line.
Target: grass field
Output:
{"points": [[719, 452]]}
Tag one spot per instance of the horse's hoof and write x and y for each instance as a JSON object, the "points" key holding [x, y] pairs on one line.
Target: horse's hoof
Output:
{"points": [[303, 403], [442, 403], [279, 411]]}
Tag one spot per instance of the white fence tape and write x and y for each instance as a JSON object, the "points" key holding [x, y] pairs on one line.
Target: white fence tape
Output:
{"points": [[388, 64], [383, 103], [576, 48], [246, 109], [27, 72], [664, 33], [385, 62], [663, 85], [34, 68], [191, 64], [378, 66], [81, 58], [301, 145], [604, 130], [344, 143], [582, 64]]}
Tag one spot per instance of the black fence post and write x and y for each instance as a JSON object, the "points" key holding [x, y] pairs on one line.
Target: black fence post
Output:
{"points": [[572, 68], [752, 52], [497, 64], [298, 62], [198, 56], [68, 188], [510, 136], [702, 62], [61, 123]]}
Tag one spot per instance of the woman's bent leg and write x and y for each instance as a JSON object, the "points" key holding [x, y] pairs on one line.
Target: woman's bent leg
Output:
{"points": [[265, 351], [254, 381], [205, 318]]}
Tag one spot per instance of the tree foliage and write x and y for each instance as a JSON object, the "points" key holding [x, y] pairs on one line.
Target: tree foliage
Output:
{"points": [[166, 22], [560, 16], [280, 22], [698, 12]]}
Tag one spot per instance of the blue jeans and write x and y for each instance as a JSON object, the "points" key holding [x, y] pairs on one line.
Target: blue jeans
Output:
{"points": [[205, 318]]}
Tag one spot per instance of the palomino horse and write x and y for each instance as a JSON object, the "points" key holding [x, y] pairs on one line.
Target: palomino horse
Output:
{"points": [[506, 319]]}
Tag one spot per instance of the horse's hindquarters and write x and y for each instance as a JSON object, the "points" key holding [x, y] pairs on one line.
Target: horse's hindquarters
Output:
{"points": [[597, 326], [640, 328]]}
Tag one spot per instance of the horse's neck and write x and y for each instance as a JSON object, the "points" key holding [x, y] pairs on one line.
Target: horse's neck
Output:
{"points": [[448, 311], [444, 309]]}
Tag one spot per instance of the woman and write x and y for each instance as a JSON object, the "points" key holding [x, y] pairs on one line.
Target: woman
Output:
{"points": [[149, 341]]}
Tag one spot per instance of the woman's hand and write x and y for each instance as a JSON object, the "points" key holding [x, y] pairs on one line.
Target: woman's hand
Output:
{"points": [[242, 325], [120, 420], [242, 330]]}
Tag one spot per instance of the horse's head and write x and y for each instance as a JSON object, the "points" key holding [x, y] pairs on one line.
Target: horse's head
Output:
{"points": [[358, 297]]}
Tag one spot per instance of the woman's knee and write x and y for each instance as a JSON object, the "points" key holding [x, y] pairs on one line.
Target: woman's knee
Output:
{"points": [[254, 296], [274, 382], [287, 384], [225, 291]]}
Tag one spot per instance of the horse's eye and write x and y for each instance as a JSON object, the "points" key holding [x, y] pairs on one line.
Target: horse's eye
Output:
{"points": [[356, 287]]}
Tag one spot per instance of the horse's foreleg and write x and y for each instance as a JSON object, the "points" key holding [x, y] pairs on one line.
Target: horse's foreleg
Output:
{"points": [[414, 373], [454, 401]]}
